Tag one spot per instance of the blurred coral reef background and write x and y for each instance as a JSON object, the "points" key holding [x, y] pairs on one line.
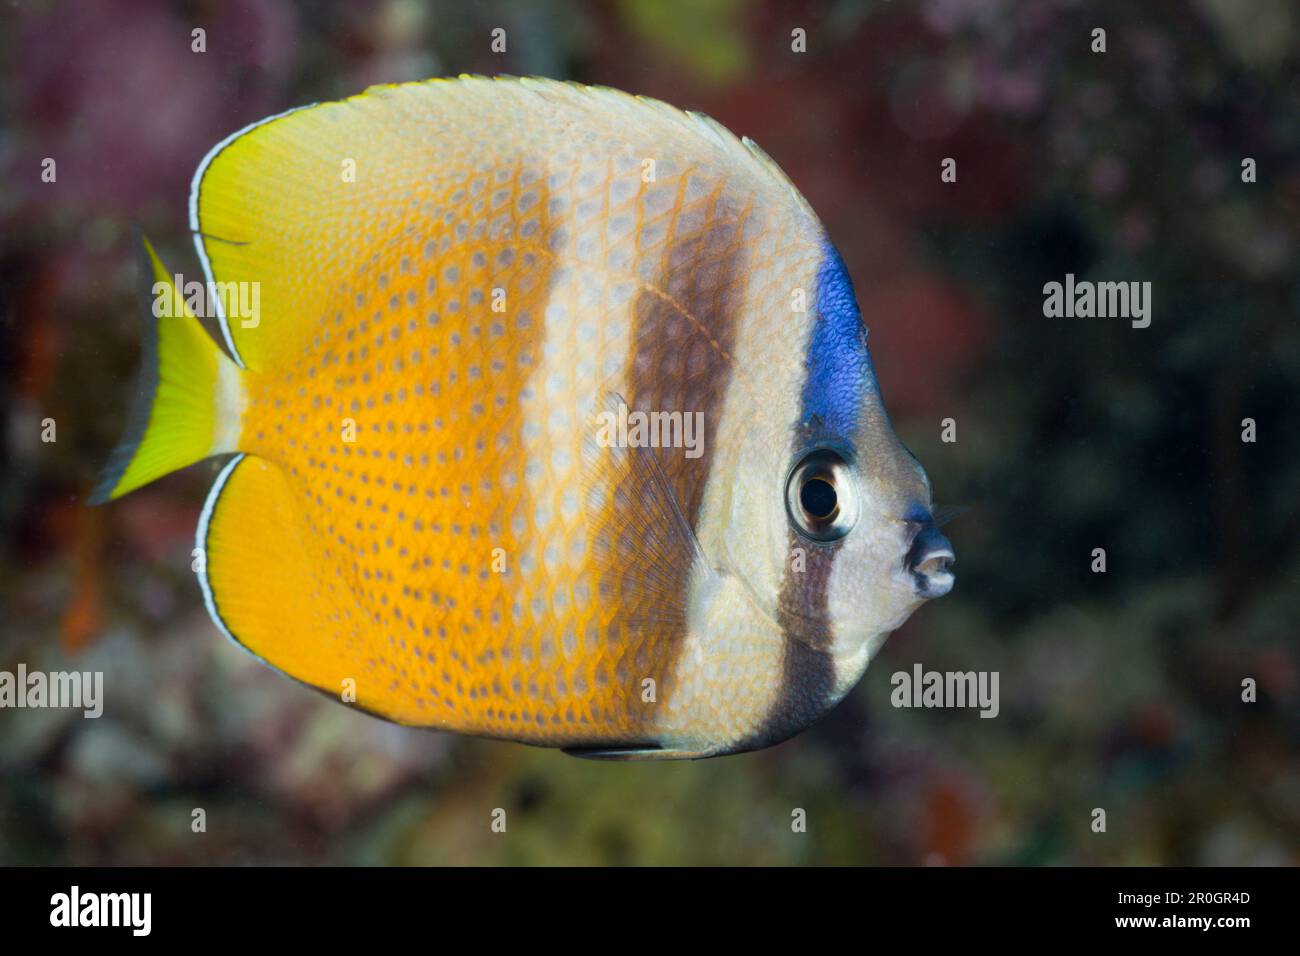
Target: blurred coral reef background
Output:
{"points": [[1119, 690]]}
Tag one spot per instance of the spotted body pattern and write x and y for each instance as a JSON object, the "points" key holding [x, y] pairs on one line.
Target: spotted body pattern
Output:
{"points": [[456, 279]]}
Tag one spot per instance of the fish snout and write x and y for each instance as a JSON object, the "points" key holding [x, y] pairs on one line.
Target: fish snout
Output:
{"points": [[928, 561]]}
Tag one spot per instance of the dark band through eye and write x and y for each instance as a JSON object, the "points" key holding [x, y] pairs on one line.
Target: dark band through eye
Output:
{"points": [[817, 497]]}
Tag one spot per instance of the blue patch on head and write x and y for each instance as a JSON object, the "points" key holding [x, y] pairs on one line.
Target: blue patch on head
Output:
{"points": [[839, 368]]}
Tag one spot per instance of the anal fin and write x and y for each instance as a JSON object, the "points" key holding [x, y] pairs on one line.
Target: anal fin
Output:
{"points": [[261, 577]]}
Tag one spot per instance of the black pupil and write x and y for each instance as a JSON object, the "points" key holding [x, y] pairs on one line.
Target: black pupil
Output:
{"points": [[817, 497]]}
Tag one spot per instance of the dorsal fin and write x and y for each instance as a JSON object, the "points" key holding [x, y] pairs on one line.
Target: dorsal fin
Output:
{"points": [[294, 205]]}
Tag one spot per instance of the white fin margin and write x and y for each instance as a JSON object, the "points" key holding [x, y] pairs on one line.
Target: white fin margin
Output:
{"points": [[201, 545], [195, 184]]}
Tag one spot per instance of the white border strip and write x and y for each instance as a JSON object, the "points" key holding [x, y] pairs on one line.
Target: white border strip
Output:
{"points": [[195, 184], [201, 542]]}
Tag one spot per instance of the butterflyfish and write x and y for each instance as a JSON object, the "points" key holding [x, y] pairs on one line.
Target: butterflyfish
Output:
{"points": [[547, 413]]}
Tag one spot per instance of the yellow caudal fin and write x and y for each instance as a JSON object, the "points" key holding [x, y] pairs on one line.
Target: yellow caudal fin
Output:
{"points": [[188, 398]]}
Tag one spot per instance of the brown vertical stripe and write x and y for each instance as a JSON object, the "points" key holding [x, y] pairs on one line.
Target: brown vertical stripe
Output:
{"points": [[682, 336], [807, 668]]}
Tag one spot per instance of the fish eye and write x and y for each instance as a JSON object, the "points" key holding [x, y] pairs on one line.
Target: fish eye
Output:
{"points": [[821, 496], [818, 498]]}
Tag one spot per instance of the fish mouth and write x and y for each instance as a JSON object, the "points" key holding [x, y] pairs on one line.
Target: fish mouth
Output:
{"points": [[928, 561]]}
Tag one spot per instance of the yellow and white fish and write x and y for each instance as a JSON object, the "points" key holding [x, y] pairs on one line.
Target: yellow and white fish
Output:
{"points": [[555, 422]]}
